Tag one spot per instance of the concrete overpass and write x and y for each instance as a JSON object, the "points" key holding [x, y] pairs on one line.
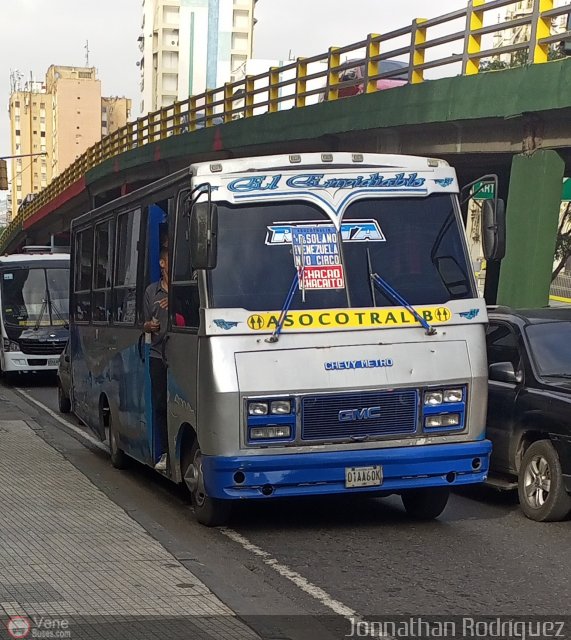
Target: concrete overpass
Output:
{"points": [[514, 122]]}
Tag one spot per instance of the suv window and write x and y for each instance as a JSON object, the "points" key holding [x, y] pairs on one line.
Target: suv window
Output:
{"points": [[502, 345]]}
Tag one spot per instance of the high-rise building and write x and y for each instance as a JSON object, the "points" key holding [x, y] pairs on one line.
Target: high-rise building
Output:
{"points": [[189, 46], [61, 117], [31, 132]]}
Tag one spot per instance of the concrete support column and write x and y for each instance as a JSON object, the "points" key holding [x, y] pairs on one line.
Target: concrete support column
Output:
{"points": [[532, 217]]}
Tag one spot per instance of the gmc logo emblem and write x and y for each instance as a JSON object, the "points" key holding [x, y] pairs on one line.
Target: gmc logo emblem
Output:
{"points": [[355, 415]]}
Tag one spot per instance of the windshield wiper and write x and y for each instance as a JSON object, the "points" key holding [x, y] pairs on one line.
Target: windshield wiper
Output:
{"points": [[386, 288], [287, 304], [42, 311], [59, 314]]}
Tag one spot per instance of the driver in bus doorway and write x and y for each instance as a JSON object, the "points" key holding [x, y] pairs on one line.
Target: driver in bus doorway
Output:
{"points": [[156, 319]]}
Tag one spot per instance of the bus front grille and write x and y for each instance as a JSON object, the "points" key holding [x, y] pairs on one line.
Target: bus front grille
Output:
{"points": [[38, 348], [369, 414]]}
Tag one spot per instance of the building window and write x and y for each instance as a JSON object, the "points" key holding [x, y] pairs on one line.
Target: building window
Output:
{"points": [[42, 134], [17, 132], [17, 103]]}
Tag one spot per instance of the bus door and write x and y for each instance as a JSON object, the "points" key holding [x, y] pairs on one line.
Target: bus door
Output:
{"points": [[157, 237], [181, 349]]}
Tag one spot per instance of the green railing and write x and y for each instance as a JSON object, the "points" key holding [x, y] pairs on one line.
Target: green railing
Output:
{"points": [[423, 47]]}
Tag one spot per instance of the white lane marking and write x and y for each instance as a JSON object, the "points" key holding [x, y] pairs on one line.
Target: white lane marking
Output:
{"points": [[303, 583], [68, 425]]}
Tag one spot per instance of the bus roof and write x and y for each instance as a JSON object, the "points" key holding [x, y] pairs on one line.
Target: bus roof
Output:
{"points": [[322, 160], [20, 258]]}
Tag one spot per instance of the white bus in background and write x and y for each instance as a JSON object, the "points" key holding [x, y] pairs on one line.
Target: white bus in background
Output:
{"points": [[34, 311]]}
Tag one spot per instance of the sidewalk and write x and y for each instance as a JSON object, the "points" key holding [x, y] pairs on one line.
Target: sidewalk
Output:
{"points": [[71, 556]]}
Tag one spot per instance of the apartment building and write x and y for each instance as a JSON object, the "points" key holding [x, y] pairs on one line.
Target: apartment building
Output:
{"points": [[60, 117], [188, 46]]}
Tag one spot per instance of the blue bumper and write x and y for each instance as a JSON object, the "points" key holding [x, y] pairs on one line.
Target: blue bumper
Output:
{"points": [[306, 474]]}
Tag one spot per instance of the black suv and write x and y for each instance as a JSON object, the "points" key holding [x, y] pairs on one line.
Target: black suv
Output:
{"points": [[529, 406]]}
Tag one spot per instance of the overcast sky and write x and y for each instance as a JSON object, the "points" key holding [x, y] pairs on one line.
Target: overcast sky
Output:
{"points": [[37, 33]]}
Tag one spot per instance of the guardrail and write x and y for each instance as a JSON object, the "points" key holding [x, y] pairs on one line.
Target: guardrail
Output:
{"points": [[560, 290], [423, 46]]}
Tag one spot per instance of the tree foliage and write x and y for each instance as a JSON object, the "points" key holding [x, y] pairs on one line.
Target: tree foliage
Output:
{"points": [[518, 59], [563, 243]]}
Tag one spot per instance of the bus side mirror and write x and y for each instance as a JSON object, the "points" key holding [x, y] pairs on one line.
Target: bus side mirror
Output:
{"points": [[204, 235], [494, 229]]}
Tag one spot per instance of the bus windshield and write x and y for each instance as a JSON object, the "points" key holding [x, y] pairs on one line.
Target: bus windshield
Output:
{"points": [[414, 244], [35, 296]]}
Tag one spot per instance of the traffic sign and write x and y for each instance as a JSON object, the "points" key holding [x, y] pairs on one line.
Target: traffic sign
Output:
{"points": [[483, 191]]}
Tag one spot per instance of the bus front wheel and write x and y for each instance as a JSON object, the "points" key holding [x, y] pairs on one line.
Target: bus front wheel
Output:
{"points": [[210, 512], [425, 504]]}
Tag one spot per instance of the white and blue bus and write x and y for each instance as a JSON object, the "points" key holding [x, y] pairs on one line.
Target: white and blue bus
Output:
{"points": [[325, 335], [34, 318]]}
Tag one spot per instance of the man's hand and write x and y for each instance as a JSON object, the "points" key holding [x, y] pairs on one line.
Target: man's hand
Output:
{"points": [[152, 327], [163, 303]]}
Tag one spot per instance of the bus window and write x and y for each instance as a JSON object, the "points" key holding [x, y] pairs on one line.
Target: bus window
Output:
{"points": [[185, 297], [102, 277], [127, 242], [83, 269]]}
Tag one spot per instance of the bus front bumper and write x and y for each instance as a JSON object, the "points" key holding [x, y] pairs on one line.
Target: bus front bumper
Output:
{"points": [[402, 468], [16, 361]]}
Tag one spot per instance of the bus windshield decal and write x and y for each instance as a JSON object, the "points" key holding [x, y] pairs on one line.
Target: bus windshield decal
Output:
{"points": [[319, 181], [280, 233], [348, 318], [317, 257]]}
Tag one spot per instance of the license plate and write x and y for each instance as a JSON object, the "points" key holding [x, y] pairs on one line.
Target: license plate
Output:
{"points": [[53, 362], [363, 476]]}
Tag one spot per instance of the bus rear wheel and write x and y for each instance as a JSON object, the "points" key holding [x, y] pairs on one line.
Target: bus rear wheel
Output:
{"points": [[118, 456], [64, 403], [425, 504], [210, 512]]}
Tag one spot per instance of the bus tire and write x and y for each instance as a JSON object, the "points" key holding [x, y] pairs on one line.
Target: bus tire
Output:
{"points": [[64, 403], [425, 504], [118, 456], [210, 512]]}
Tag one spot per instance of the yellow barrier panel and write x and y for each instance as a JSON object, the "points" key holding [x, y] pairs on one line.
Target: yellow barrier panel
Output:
{"points": [[473, 43], [334, 60], [418, 39], [373, 49], [543, 30], [300, 83]]}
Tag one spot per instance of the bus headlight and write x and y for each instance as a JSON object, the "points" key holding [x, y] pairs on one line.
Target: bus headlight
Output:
{"points": [[10, 345], [280, 407], [270, 432], [432, 398], [453, 395], [443, 420], [258, 409]]}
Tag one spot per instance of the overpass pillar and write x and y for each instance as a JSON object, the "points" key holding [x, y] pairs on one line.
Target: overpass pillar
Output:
{"points": [[534, 200]]}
